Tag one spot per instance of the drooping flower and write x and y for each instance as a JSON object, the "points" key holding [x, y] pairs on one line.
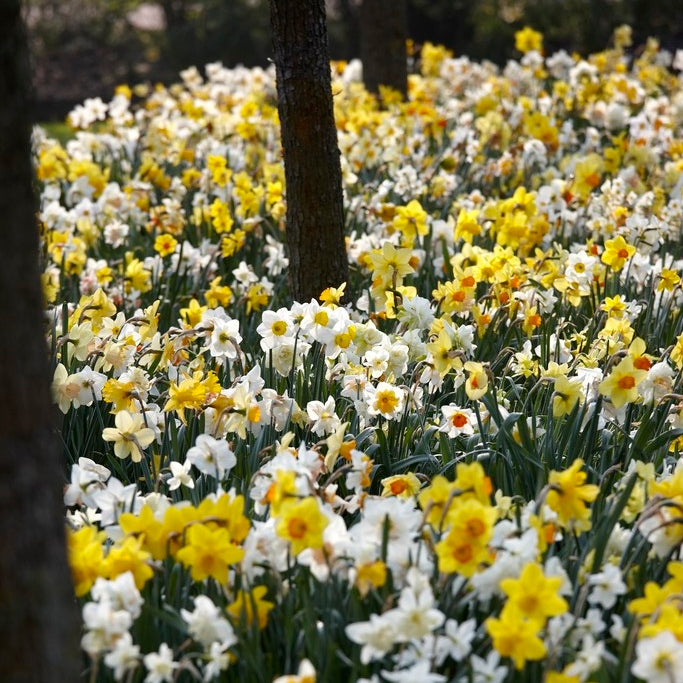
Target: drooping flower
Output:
{"points": [[569, 494]]}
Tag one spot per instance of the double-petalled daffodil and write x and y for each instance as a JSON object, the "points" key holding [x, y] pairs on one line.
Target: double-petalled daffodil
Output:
{"points": [[533, 595], [620, 386], [385, 399], [218, 295], [190, 393], [617, 252], [569, 494], [301, 522], [165, 244], [209, 552], [130, 436], [122, 395]]}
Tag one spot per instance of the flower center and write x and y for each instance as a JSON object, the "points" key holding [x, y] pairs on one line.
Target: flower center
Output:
{"points": [[626, 382]]}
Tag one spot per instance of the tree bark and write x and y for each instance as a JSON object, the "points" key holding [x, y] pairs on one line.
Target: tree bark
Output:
{"points": [[383, 33], [38, 614], [315, 214]]}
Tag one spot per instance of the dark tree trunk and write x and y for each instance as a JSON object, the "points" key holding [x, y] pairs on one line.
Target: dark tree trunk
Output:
{"points": [[38, 615], [315, 215], [383, 33]]}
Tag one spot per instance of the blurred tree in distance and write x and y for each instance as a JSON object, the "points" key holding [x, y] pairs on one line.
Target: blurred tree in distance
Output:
{"points": [[383, 32]]}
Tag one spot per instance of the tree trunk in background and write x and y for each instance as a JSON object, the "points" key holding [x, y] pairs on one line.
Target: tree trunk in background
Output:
{"points": [[315, 216], [383, 34], [38, 614]]}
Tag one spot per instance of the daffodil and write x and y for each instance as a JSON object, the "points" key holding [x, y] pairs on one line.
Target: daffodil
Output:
{"points": [[617, 252], [86, 557], [527, 39], [402, 485], [129, 556], [477, 383], [209, 552], [251, 607], [533, 595], [569, 494], [301, 522], [390, 264], [129, 436], [516, 637], [621, 385], [411, 220], [165, 244], [567, 392]]}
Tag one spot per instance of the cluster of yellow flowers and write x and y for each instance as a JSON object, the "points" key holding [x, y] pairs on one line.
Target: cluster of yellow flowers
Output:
{"points": [[470, 466]]}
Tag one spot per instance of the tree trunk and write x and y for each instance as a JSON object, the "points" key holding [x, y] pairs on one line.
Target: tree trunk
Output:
{"points": [[383, 33], [38, 615], [315, 215]]}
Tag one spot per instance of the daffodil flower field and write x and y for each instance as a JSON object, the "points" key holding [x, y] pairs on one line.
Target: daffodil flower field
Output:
{"points": [[463, 464]]}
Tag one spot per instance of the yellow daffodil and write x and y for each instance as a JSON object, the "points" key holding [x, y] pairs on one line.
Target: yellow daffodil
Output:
{"points": [[621, 385], [533, 595], [527, 39], [477, 383], [617, 252], [569, 494], [301, 522], [250, 606], [516, 637], [209, 552]]}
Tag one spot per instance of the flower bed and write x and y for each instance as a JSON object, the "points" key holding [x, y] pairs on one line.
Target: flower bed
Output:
{"points": [[470, 471]]}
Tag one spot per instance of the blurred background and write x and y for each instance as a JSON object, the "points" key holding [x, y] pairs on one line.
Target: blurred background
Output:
{"points": [[84, 48]]}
